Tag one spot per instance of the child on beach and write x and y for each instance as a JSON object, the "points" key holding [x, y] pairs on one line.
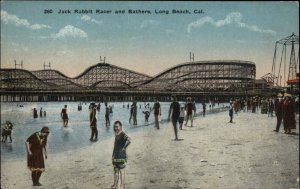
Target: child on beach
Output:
{"points": [[119, 156], [147, 114]]}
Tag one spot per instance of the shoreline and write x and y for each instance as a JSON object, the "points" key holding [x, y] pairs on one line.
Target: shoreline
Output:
{"points": [[103, 136], [213, 154]]}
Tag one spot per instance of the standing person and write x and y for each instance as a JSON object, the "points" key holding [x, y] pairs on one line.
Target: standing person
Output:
{"points": [[107, 112], [235, 106], [289, 120], [245, 105], [6, 131], [119, 156], [79, 107], [41, 112], [181, 117], [157, 112], [35, 145], [93, 124], [64, 116], [204, 108], [194, 108], [134, 113], [189, 111], [131, 113], [35, 114], [111, 113], [175, 112], [248, 104], [270, 107], [278, 113], [98, 107], [230, 111], [254, 103], [264, 106]]}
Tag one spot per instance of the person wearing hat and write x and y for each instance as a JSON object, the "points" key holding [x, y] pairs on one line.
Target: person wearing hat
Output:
{"points": [[289, 120], [278, 113], [35, 145]]}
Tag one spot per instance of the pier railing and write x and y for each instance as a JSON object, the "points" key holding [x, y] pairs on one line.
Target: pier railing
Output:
{"points": [[106, 95]]}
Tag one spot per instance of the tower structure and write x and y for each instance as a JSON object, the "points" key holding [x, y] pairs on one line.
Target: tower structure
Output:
{"points": [[289, 76]]}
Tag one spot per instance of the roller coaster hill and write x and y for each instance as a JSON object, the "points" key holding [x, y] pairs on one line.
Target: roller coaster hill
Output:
{"points": [[106, 82]]}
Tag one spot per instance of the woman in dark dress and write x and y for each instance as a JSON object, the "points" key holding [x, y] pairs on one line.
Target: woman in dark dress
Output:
{"points": [[35, 145], [289, 120], [119, 156]]}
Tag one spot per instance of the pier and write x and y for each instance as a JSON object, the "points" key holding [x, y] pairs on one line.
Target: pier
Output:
{"points": [[120, 96], [201, 80]]}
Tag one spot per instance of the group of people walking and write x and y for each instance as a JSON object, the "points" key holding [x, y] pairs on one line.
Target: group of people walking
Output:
{"points": [[285, 109], [36, 143], [178, 113]]}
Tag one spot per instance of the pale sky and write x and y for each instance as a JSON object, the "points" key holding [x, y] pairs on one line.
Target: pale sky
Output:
{"points": [[146, 43]]}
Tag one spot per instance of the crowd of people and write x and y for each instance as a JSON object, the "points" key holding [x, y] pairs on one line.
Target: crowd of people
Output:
{"points": [[284, 108]]}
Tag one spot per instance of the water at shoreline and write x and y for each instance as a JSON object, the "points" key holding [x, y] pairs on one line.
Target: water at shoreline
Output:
{"points": [[77, 134]]}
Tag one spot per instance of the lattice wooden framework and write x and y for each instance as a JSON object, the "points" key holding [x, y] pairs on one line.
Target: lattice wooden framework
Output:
{"points": [[19, 79], [204, 76], [54, 77], [105, 75], [192, 76]]}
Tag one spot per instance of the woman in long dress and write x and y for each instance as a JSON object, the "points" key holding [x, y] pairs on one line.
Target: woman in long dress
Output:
{"points": [[35, 145], [289, 121]]}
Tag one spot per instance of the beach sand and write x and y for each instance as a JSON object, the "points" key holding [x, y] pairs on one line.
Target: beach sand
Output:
{"points": [[246, 154]]}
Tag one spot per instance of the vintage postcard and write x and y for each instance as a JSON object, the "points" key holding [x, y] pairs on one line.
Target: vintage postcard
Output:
{"points": [[149, 94]]}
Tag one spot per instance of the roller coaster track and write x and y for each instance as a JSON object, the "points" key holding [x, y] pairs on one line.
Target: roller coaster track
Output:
{"points": [[204, 76], [200, 76]]}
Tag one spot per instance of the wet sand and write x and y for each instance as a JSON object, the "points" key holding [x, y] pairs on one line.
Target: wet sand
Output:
{"points": [[214, 154]]}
